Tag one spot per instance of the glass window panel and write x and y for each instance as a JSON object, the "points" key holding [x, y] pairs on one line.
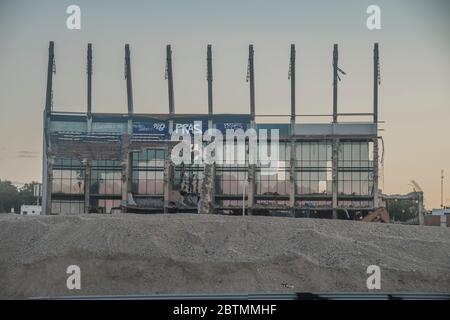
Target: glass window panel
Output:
{"points": [[356, 187], [340, 186], [305, 151], [356, 152], [314, 185], [304, 175], [57, 174], [323, 175], [65, 207], [56, 185], [150, 187], [356, 175], [56, 207], [322, 151], [347, 151], [66, 174], [347, 187], [364, 151], [314, 151], [77, 187], [364, 188]]}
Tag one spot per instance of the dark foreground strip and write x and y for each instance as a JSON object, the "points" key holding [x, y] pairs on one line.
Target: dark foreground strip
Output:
{"points": [[267, 296], [240, 306]]}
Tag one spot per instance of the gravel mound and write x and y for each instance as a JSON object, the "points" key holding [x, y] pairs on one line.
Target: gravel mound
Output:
{"points": [[142, 254]]}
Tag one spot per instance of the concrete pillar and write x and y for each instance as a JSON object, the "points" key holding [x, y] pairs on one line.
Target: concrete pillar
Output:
{"points": [[292, 173], [375, 195], [48, 200], [334, 175], [206, 202], [251, 190], [420, 209], [87, 185], [168, 178], [126, 167]]}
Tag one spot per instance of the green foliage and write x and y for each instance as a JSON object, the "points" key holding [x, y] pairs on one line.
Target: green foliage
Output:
{"points": [[402, 210], [13, 197], [8, 196]]}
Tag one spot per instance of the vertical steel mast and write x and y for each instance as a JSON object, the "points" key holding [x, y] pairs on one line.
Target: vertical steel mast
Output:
{"points": [[128, 79], [50, 71], [251, 80], [209, 78], [292, 77], [335, 79], [89, 80], [376, 81], [169, 78]]}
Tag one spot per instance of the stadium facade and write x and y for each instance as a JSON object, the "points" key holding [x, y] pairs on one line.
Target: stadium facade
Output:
{"points": [[103, 163]]}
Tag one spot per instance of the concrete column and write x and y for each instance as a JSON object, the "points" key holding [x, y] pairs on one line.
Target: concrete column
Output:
{"points": [[292, 172], [251, 190], [206, 202], [48, 204], [207, 194], [168, 178], [420, 209], [334, 175], [87, 185], [376, 202], [126, 168]]}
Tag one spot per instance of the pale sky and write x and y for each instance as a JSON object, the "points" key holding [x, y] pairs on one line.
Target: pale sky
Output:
{"points": [[414, 56]]}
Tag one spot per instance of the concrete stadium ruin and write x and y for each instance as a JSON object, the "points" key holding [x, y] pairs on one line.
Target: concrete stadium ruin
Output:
{"points": [[104, 162]]}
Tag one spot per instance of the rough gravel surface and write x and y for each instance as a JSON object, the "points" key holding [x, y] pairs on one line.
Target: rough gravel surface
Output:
{"points": [[188, 253]]}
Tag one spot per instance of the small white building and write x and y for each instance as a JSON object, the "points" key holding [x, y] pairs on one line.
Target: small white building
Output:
{"points": [[441, 212], [30, 210]]}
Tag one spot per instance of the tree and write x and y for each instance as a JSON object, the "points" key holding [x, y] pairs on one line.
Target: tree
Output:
{"points": [[8, 196], [26, 194], [402, 210], [13, 197]]}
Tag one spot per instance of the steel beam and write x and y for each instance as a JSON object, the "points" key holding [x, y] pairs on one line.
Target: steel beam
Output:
{"points": [[251, 80], [89, 80], [50, 72], [169, 78], [335, 81], [376, 81], [209, 78], [128, 79]]}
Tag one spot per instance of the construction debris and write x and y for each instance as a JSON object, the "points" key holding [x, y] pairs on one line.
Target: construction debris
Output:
{"points": [[192, 253]]}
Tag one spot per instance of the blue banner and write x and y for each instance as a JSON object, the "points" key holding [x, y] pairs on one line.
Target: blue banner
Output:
{"points": [[154, 127], [224, 126]]}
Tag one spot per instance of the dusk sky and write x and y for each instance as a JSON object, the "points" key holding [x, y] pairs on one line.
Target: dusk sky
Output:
{"points": [[414, 56]]}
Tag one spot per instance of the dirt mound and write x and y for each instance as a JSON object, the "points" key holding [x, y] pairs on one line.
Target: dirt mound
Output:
{"points": [[142, 254]]}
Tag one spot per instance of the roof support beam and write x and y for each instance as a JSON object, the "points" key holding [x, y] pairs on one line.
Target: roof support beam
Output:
{"points": [[50, 71], [209, 78], [169, 78], [89, 80], [335, 79], [128, 79], [376, 81], [251, 80], [292, 77]]}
